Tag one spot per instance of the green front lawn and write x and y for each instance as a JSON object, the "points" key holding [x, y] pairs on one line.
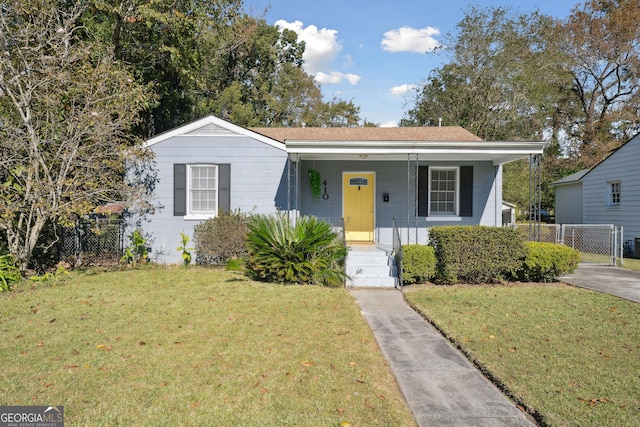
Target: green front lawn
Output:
{"points": [[631, 264], [570, 355], [175, 346]]}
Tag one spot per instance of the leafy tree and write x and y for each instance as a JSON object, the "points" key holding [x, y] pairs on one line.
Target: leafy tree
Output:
{"points": [[602, 39], [338, 113], [500, 82], [503, 83], [209, 57], [261, 83], [516, 175], [67, 109], [166, 44]]}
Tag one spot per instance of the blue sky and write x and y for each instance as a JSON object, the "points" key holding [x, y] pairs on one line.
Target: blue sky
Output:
{"points": [[374, 52]]}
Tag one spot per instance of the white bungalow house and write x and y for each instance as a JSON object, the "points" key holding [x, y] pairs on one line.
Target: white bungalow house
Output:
{"points": [[609, 193], [370, 178]]}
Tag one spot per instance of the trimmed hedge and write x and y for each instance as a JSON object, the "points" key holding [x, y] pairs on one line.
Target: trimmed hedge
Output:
{"points": [[545, 262], [476, 254], [418, 264], [220, 239]]}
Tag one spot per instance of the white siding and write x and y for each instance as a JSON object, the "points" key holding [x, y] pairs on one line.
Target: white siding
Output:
{"points": [[569, 203], [623, 165]]}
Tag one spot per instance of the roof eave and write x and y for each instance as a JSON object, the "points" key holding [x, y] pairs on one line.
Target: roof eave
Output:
{"points": [[197, 124], [497, 152]]}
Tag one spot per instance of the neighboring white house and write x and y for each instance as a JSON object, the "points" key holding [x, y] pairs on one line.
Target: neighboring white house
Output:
{"points": [[569, 198], [370, 178], [609, 193], [508, 213]]}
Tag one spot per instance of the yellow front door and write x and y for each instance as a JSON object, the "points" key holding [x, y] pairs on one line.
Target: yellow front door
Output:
{"points": [[358, 195]]}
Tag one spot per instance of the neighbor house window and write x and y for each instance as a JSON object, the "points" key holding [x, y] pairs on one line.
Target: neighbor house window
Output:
{"points": [[443, 191], [614, 193], [202, 190]]}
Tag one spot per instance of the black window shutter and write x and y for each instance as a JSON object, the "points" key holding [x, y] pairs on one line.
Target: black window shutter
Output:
{"points": [[179, 189], [466, 190], [423, 190], [224, 187]]}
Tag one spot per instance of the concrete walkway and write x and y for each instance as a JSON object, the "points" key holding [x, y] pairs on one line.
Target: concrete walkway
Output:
{"points": [[616, 281], [441, 387]]}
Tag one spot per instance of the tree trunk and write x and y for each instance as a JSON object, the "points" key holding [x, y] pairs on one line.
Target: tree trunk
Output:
{"points": [[21, 246]]}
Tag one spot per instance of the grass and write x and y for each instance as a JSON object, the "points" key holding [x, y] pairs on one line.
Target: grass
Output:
{"points": [[570, 355], [592, 258], [192, 347], [631, 264]]}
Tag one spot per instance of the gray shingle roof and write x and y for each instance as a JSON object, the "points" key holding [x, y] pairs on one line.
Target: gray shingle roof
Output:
{"points": [[574, 177]]}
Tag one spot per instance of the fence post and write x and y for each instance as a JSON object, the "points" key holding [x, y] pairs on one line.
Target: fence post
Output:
{"points": [[614, 242], [621, 244], [77, 242]]}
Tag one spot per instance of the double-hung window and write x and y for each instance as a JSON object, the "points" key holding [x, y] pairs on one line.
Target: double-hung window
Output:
{"points": [[613, 198], [443, 191], [202, 190]]}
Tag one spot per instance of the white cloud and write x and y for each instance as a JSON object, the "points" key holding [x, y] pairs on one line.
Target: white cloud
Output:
{"points": [[348, 61], [391, 124], [352, 78], [407, 39], [403, 89], [336, 77], [321, 46]]}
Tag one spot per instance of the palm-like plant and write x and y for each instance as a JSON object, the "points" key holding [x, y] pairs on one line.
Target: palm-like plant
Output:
{"points": [[308, 252]]}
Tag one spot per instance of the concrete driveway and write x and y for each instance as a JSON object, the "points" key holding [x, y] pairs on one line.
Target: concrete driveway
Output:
{"points": [[616, 281]]}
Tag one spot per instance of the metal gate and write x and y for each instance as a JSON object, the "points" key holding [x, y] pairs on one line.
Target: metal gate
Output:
{"points": [[599, 244]]}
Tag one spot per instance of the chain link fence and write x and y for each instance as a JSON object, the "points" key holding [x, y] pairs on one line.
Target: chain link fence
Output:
{"points": [[98, 242], [599, 244]]}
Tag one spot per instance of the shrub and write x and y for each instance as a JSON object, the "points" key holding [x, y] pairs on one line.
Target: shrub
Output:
{"points": [[220, 239], [545, 262], [59, 275], [307, 252], [184, 250], [418, 263], [9, 273], [137, 252], [476, 254]]}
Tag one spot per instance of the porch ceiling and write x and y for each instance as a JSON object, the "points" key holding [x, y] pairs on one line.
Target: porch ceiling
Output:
{"points": [[465, 151]]}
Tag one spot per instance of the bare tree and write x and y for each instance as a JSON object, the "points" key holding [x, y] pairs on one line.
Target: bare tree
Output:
{"points": [[65, 114]]}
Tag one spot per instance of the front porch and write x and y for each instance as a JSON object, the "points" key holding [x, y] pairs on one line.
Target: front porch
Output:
{"points": [[369, 196]]}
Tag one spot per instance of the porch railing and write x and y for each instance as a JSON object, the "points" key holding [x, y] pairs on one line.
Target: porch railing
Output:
{"points": [[397, 252]]}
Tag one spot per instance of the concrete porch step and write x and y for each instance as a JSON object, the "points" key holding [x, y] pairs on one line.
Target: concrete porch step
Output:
{"points": [[370, 266]]}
